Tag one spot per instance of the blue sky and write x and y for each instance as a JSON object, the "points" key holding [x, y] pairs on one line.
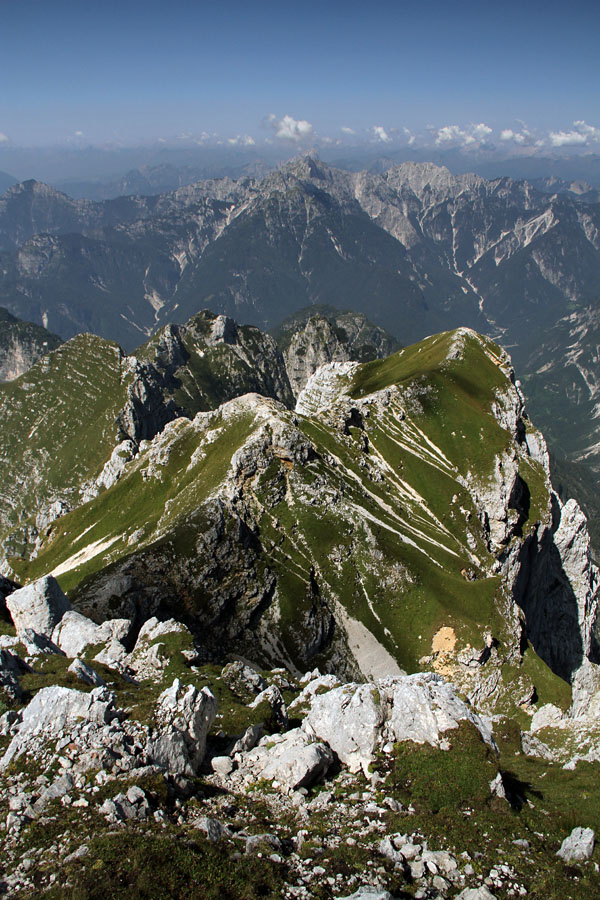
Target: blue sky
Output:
{"points": [[129, 71]]}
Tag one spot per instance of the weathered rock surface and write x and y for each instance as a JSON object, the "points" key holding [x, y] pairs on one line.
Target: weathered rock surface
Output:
{"points": [[85, 673], [291, 759], [316, 336], [75, 632], [39, 606], [354, 719], [183, 717], [57, 709], [578, 846]]}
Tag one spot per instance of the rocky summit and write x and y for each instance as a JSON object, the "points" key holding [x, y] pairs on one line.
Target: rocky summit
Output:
{"points": [[342, 645]]}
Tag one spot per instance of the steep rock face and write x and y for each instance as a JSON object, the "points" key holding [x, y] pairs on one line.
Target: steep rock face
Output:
{"points": [[21, 345], [110, 403], [402, 514], [319, 335]]}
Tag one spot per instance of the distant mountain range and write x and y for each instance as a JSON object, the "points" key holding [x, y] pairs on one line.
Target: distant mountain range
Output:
{"points": [[415, 248]]}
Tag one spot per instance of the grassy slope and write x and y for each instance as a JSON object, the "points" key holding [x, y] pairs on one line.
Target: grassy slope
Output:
{"points": [[58, 423], [393, 549]]}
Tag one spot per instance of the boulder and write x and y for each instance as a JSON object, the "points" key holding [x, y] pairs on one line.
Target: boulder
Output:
{"points": [[11, 667], [354, 718], [85, 673], [150, 656], [318, 685], [56, 709], [479, 893], [369, 892], [578, 846], [243, 680], [39, 606], [248, 740], [348, 718], [273, 696], [424, 706], [291, 759], [75, 632], [184, 716]]}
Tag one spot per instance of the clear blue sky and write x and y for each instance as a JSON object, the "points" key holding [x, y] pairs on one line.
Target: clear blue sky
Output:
{"points": [[135, 71]]}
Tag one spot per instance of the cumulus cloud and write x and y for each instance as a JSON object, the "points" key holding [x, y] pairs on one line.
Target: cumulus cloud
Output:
{"points": [[566, 138], [590, 131], [475, 133], [241, 140], [380, 134], [580, 135], [481, 131], [290, 129], [347, 130], [4, 138]]}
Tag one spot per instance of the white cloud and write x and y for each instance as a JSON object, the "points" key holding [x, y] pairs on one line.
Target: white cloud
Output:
{"points": [[480, 131], [290, 129], [475, 133], [241, 140], [566, 138], [590, 131], [518, 137], [4, 138], [79, 134], [347, 130], [581, 135], [380, 134]]}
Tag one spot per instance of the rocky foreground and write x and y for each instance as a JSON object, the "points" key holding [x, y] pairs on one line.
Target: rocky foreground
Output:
{"points": [[128, 769]]}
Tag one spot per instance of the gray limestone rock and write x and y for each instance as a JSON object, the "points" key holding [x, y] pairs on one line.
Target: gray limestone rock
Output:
{"points": [[243, 679], [369, 892], [578, 846], [248, 740], [480, 893], [183, 716], [424, 706], [273, 696], [11, 668], [353, 719], [212, 828], [349, 719], [56, 709], [85, 673], [222, 765], [40, 606], [291, 759]]}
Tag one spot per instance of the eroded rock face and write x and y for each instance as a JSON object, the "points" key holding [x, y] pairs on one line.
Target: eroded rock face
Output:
{"points": [[39, 606], [292, 759], [313, 340], [184, 716], [56, 709], [354, 719]]}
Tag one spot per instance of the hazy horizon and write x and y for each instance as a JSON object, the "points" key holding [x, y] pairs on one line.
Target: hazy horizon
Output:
{"points": [[463, 76]]}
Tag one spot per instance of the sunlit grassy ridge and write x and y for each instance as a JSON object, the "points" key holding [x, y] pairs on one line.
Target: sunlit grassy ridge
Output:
{"points": [[58, 424], [229, 528]]}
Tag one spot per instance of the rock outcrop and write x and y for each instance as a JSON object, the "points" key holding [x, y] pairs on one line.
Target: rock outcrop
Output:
{"points": [[39, 606]]}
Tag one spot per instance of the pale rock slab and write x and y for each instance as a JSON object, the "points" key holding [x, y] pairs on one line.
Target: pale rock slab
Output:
{"points": [[578, 846], [184, 716], [291, 759], [355, 718], [349, 719], [85, 673], [424, 706], [39, 606], [75, 632], [56, 709]]}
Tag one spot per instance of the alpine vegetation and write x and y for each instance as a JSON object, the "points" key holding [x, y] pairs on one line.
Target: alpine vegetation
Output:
{"points": [[296, 621]]}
